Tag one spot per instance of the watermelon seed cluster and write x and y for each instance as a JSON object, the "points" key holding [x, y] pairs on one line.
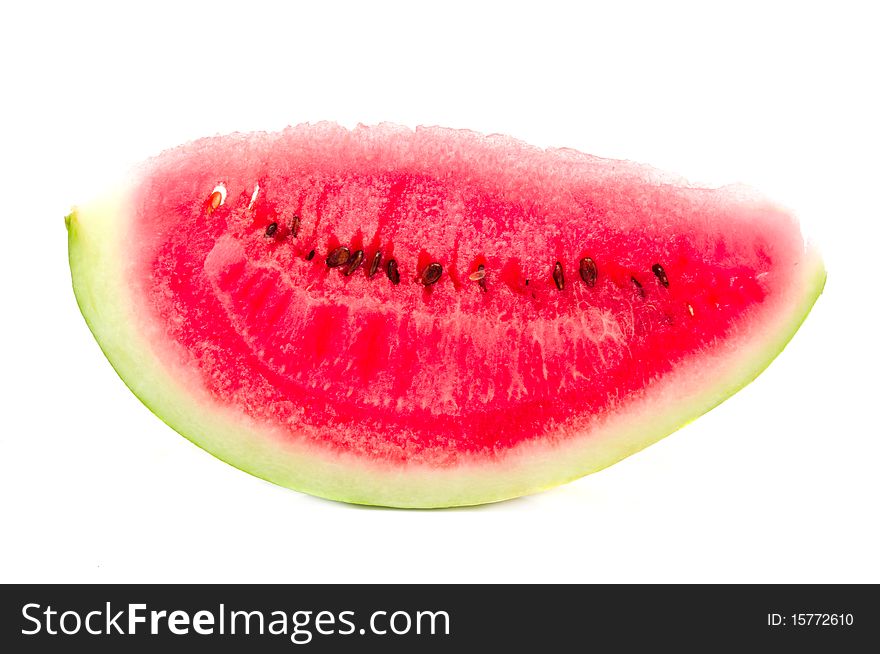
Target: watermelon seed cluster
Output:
{"points": [[588, 270], [342, 256]]}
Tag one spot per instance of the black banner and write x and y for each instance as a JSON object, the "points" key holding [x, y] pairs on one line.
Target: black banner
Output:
{"points": [[429, 618]]}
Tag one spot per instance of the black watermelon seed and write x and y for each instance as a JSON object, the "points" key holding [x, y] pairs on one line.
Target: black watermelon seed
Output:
{"points": [[338, 257], [638, 286], [392, 272], [558, 276], [432, 274], [310, 255], [374, 264], [661, 274], [589, 272], [271, 229], [356, 260], [294, 226]]}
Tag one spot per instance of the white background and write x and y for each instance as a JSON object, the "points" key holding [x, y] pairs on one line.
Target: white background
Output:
{"points": [[778, 484]]}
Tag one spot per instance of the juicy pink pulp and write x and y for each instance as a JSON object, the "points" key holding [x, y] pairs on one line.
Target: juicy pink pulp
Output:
{"points": [[450, 372]]}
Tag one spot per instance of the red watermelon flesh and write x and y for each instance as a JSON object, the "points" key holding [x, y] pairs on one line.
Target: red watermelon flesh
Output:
{"points": [[545, 314]]}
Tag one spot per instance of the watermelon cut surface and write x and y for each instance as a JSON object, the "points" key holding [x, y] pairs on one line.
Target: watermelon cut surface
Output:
{"points": [[432, 317]]}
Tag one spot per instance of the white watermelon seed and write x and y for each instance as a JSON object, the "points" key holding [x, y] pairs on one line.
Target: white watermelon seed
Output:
{"points": [[254, 196], [218, 196]]}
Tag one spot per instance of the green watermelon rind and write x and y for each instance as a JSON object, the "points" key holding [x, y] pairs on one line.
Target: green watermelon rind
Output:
{"points": [[99, 273]]}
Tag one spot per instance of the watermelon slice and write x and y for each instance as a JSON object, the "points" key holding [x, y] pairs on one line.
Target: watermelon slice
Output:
{"points": [[433, 317]]}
